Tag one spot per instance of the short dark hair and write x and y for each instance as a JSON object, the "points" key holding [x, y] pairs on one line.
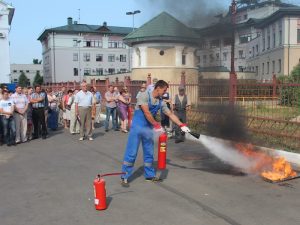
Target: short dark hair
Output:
{"points": [[161, 84], [37, 86], [18, 86], [70, 91], [4, 91]]}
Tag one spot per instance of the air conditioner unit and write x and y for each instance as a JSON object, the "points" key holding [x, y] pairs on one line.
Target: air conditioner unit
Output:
{"points": [[2, 35]]}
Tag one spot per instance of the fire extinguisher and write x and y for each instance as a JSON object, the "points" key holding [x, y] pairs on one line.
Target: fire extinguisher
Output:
{"points": [[100, 191], [162, 151]]}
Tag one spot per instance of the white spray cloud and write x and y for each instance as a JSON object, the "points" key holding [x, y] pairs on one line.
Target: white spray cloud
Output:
{"points": [[225, 152]]}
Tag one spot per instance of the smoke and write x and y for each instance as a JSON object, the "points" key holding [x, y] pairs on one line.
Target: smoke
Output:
{"points": [[226, 122], [194, 13], [226, 153]]}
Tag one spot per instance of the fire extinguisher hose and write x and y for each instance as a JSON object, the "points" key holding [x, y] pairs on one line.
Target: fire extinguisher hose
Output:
{"points": [[109, 174]]}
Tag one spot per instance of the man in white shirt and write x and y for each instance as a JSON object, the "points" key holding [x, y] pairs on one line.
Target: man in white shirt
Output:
{"points": [[9, 127], [21, 105], [83, 110]]}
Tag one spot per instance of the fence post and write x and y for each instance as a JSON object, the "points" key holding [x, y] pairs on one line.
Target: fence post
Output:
{"points": [[149, 79], [232, 88], [117, 81], [182, 81], [107, 83], [274, 85], [127, 82]]}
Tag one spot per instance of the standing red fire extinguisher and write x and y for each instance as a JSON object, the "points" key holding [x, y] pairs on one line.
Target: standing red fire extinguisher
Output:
{"points": [[129, 116], [100, 191], [162, 151]]}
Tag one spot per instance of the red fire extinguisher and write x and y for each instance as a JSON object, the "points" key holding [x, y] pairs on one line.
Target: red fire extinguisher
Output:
{"points": [[100, 191], [162, 151]]}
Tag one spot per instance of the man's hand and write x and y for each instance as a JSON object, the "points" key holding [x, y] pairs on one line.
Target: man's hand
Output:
{"points": [[157, 128], [184, 128]]}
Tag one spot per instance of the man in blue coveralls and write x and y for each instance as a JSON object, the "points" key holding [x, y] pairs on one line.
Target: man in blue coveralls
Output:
{"points": [[143, 125]]}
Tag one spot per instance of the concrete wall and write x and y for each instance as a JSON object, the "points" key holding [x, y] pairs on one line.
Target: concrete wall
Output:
{"points": [[4, 43], [155, 59], [225, 75]]}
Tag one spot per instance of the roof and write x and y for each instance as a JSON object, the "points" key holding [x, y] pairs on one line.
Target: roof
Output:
{"points": [[262, 4], [163, 27], [85, 28]]}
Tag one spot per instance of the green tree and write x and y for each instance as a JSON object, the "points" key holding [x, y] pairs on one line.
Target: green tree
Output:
{"points": [[295, 74], [36, 61], [23, 80], [38, 79]]}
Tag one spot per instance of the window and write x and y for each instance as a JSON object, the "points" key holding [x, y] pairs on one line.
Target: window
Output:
{"points": [[87, 43], [227, 41], [99, 57], [87, 71], [211, 58], [204, 59], [298, 35], [225, 56], [122, 58], [268, 67], [217, 56], [99, 71], [256, 70], [274, 39], [280, 37], [241, 69], [75, 56], [245, 38], [75, 71], [245, 17], [273, 66], [21, 71], [253, 49], [15, 71], [86, 57], [75, 43], [264, 44], [215, 43], [256, 49], [15, 80], [241, 54], [111, 70], [27, 71], [113, 44], [123, 70], [269, 42], [263, 68], [111, 58], [279, 65], [183, 59]]}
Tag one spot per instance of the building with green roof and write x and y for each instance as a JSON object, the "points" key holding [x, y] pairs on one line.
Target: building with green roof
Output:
{"points": [[163, 47]]}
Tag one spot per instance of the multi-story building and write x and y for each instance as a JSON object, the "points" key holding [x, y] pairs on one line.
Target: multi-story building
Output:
{"points": [[6, 16], [30, 70], [76, 50], [267, 40]]}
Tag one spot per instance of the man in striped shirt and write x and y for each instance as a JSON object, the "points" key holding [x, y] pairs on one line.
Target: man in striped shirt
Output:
{"points": [[20, 114], [38, 112]]}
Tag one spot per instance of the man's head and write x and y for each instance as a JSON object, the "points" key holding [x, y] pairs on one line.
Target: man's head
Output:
{"points": [[30, 90], [143, 87], [154, 81], [5, 94], [18, 89], [181, 90], [37, 88], [70, 92], [116, 89], [84, 86], [63, 89], [111, 88], [161, 87]]}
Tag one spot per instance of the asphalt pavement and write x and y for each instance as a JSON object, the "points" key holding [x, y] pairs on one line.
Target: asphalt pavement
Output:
{"points": [[51, 182]]}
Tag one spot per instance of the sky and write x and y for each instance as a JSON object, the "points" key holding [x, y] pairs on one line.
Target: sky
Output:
{"points": [[32, 17]]}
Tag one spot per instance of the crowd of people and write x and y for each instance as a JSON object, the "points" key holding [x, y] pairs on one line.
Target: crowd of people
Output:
{"points": [[31, 113]]}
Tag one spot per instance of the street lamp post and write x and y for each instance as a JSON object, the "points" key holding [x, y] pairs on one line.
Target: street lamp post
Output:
{"points": [[133, 13], [129, 52], [79, 58]]}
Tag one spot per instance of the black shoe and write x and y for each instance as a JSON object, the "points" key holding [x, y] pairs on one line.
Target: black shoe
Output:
{"points": [[154, 179], [34, 137], [44, 137], [9, 145], [106, 130], [178, 141], [124, 183], [117, 129]]}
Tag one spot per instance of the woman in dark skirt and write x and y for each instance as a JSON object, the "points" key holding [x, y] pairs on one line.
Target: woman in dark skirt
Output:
{"points": [[123, 104]]}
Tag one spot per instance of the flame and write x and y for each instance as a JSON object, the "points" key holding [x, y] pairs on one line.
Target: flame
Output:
{"points": [[269, 167]]}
